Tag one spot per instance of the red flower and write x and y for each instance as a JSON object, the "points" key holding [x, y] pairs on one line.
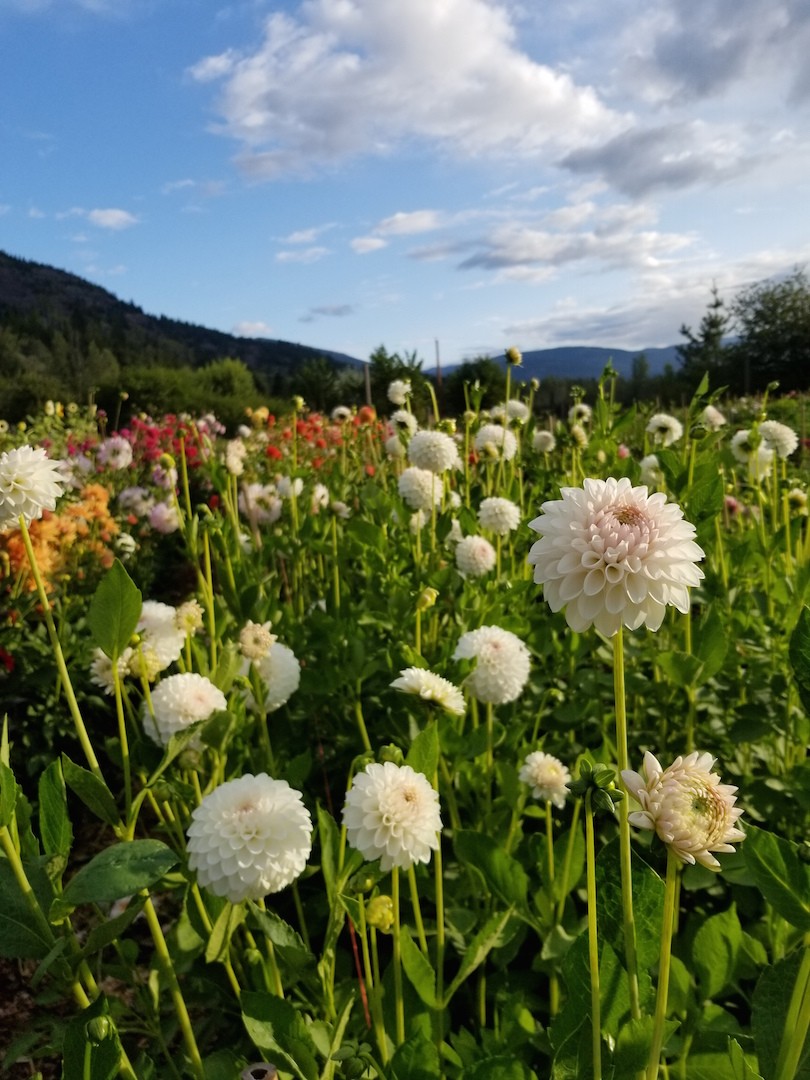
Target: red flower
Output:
{"points": [[274, 452]]}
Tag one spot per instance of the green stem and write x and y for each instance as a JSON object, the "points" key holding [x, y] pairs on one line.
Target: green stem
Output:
{"points": [[180, 1009], [361, 723], [667, 924], [625, 857], [417, 911], [797, 1021], [399, 1003], [593, 941]]}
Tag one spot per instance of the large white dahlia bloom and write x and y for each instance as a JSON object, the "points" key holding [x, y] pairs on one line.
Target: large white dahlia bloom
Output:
{"points": [[475, 556], [249, 837], [780, 438], [420, 488], [612, 555], [495, 441], [687, 806], [499, 515], [501, 664], [392, 814], [433, 450], [180, 701], [432, 688], [29, 484], [281, 674]]}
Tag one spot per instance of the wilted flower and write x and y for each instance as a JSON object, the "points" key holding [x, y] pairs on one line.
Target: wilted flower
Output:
{"points": [[780, 438], [580, 413], [29, 484], [612, 555], [687, 806], [320, 498], [496, 441], [255, 640], [544, 442], [249, 837], [281, 674], [475, 556], [665, 429], [392, 814], [340, 509], [712, 418], [419, 488], [431, 687], [547, 777], [180, 701], [433, 451], [398, 391], [501, 664], [499, 515], [798, 500]]}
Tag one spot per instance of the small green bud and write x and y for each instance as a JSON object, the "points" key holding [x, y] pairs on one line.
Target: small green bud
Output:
{"points": [[427, 598], [391, 752], [100, 1028], [380, 913]]}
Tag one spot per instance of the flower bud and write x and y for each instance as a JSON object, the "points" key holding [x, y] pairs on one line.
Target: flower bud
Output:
{"points": [[514, 356], [427, 598], [380, 913], [100, 1028], [391, 752]]}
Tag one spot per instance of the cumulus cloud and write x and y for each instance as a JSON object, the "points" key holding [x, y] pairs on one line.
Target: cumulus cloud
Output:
{"points": [[362, 245], [252, 329], [111, 219], [407, 223], [307, 236], [307, 255], [367, 76]]}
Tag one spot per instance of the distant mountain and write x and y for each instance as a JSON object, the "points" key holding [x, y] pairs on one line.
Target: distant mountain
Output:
{"points": [[589, 361], [50, 309]]}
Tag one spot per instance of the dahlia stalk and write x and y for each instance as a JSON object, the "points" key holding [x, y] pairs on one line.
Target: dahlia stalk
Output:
{"points": [[674, 866]]}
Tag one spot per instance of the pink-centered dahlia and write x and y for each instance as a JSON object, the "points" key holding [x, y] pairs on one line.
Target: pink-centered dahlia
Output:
{"points": [[613, 556], [687, 806]]}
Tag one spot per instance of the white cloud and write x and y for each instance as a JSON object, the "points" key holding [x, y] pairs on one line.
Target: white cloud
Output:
{"points": [[406, 224], [351, 77], [307, 236], [111, 219], [362, 245], [252, 329], [308, 255]]}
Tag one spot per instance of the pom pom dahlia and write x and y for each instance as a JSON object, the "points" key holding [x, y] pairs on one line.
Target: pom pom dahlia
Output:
{"points": [[665, 429], [178, 702], [281, 674], [612, 555], [475, 556], [392, 814], [419, 488], [547, 777], [249, 837], [502, 664], [687, 806], [495, 441], [29, 484], [434, 451], [499, 515]]}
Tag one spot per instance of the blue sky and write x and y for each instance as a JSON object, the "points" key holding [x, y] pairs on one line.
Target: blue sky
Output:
{"points": [[350, 173]]}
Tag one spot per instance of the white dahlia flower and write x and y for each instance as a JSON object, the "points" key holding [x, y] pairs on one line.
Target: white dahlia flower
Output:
{"points": [[501, 664], [687, 806], [650, 471], [498, 515], [612, 555], [420, 488], [320, 499], [759, 458], [399, 391], [475, 556], [495, 441], [780, 438], [665, 429], [287, 486], [547, 777], [434, 451], [29, 484], [180, 701], [115, 453], [712, 418], [580, 413], [403, 420], [281, 674], [249, 837], [392, 814], [395, 447], [431, 687], [235, 454], [255, 640], [544, 442], [161, 639], [101, 669], [341, 413], [164, 518]]}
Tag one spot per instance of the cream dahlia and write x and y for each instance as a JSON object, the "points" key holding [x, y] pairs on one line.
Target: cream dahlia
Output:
{"points": [[180, 701], [499, 515], [392, 814], [101, 669], [547, 777], [712, 418], [687, 806], [249, 837], [544, 442], [432, 688], [161, 640], [398, 391], [404, 421], [501, 664], [665, 429], [434, 451], [759, 458], [475, 556], [780, 438], [419, 488], [281, 674], [580, 413], [612, 555], [29, 484], [495, 441], [255, 640]]}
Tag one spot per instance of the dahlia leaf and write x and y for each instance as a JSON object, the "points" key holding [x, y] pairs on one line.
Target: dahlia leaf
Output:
{"points": [[423, 756], [780, 874], [280, 1032], [418, 969], [120, 870], [54, 823], [743, 1070], [228, 922], [500, 870], [769, 1010], [20, 936], [489, 937], [87, 1057], [8, 795], [416, 1059], [799, 653], [114, 611], [715, 950], [93, 792], [633, 1044]]}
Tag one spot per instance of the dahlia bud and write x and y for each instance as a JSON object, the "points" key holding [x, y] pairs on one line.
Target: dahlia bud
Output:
{"points": [[427, 598], [514, 356], [380, 913]]}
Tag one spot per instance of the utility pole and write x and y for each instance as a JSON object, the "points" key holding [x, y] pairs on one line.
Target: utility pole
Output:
{"points": [[368, 383]]}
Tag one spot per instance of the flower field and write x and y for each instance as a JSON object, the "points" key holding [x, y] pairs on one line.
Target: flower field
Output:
{"points": [[408, 746]]}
